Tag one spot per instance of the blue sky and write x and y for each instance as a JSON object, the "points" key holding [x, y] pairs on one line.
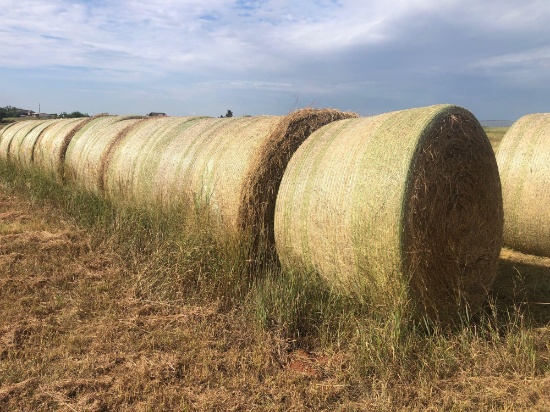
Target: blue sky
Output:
{"points": [[270, 57]]}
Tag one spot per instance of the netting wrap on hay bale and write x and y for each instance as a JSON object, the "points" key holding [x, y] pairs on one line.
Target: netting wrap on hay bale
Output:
{"points": [[401, 205], [524, 164], [16, 131], [48, 154], [230, 166], [87, 151], [212, 173], [22, 144], [130, 164]]}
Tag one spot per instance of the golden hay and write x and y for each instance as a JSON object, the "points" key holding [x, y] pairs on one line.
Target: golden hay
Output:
{"points": [[129, 164], [22, 144], [48, 153], [404, 205], [524, 163], [86, 152], [17, 130], [230, 166]]}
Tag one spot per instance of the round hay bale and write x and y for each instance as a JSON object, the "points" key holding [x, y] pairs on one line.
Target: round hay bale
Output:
{"points": [[130, 164], [22, 145], [524, 164], [86, 152], [207, 166], [49, 150], [267, 166], [17, 131], [233, 167], [404, 205], [5, 138], [2, 127]]}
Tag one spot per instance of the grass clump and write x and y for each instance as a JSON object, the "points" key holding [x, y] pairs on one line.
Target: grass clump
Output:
{"points": [[495, 135]]}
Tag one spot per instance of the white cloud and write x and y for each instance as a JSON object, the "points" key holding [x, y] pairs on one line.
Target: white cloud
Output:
{"points": [[224, 34]]}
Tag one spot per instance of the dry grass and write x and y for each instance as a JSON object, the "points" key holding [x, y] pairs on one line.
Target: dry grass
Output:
{"points": [[495, 135], [121, 311]]}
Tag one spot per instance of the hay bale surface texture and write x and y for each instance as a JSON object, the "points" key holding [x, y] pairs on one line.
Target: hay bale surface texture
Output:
{"points": [[130, 165], [232, 167], [86, 153], [22, 144], [401, 205], [524, 164], [49, 150], [16, 131]]}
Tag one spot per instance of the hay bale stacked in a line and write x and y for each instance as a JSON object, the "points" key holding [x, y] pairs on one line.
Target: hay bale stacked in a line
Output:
{"points": [[2, 127], [404, 205], [22, 144], [49, 149], [524, 164], [130, 163], [231, 167], [208, 165], [6, 136], [17, 130], [86, 152]]}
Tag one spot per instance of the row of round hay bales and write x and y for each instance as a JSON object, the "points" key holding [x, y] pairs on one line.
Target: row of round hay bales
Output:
{"points": [[15, 131], [85, 154], [524, 163], [404, 205], [39, 144], [231, 167]]}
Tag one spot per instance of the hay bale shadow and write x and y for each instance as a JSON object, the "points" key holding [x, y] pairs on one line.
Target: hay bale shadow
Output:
{"points": [[525, 280]]}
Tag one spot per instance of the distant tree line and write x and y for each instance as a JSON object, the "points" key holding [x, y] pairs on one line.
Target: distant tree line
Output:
{"points": [[14, 112], [8, 111], [66, 115]]}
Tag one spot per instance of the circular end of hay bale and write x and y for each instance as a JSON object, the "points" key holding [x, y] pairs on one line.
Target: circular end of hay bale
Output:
{"points": [[453, 216], [400, 208], [524, 163]]}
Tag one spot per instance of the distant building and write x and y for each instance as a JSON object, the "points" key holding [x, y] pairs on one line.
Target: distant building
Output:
{"points": [[155, 114], [45, 115], [25, 112]]}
